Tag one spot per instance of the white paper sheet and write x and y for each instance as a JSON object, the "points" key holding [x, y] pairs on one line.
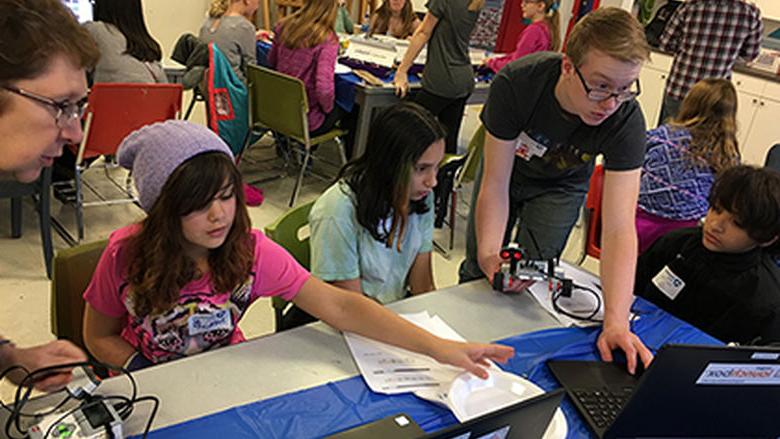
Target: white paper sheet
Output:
{"points": [[390, 370]]}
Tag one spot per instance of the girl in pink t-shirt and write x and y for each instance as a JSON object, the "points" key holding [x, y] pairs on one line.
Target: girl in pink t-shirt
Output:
{"points": [[542, 34], [178, 282]]}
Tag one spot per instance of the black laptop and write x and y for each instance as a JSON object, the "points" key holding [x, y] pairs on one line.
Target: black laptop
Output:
{"points": [[688, 391], [527, 419]]}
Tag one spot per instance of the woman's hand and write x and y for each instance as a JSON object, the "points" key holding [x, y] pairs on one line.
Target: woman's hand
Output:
{"points": [[401, 83], [50, 354], [473, 357]]}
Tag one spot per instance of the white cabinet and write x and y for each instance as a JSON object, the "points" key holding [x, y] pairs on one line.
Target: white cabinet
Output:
{"points": [[763, 133], [652, 79], [758, 108], [769, 9], [652, 82]]}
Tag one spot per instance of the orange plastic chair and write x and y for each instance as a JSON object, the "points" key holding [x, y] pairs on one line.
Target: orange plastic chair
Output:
{"points": [[593, 214], [114, 111]]}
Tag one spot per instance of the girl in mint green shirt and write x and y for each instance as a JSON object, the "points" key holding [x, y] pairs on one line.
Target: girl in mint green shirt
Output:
{"points": [[372, 230]]}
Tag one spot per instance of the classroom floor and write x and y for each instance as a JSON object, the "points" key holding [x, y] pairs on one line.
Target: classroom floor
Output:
{"points": [[25, 289]]}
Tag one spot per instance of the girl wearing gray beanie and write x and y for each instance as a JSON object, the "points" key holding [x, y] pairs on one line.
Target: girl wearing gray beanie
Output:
{"points": [[178, 282]]}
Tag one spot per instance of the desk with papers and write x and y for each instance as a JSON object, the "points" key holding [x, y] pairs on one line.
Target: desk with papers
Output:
{"points": [[304, 383]]}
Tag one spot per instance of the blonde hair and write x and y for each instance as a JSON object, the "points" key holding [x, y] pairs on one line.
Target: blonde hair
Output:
{"points": [[611, 31], [709, 113], [311, 25], [217, 8], [553, 20]]}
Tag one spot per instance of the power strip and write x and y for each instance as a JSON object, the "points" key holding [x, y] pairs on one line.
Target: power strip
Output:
{"points": [[94, 420]]}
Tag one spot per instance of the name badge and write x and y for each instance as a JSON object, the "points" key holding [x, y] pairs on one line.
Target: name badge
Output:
{"points": [[669, 283], [526, 147], [200, 323]]}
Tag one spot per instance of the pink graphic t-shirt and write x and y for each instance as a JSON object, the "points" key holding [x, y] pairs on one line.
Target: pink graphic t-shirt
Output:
{"points": [[202, 319]]}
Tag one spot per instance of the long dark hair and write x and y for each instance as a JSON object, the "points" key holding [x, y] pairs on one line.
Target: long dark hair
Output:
{"points": [[380, 178], [158, 267], [128, 17]]}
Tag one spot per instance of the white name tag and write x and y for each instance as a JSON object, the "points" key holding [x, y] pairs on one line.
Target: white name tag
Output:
{"points": [[740, 374], [526, 147], [200, 323], [669, 283]]}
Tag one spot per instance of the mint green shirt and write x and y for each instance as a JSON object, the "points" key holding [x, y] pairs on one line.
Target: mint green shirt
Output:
{"points": [[342, 249]]}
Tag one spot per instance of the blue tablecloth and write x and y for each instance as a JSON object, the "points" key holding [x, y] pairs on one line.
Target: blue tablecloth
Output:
{"points": [[336, 406]]}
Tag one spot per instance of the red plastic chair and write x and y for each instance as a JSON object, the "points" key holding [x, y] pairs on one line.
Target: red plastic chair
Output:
{"points": [[593, 214], [114, 111]]}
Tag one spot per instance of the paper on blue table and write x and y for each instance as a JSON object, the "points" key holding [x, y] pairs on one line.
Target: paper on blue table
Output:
{"points": [[391, 370]]}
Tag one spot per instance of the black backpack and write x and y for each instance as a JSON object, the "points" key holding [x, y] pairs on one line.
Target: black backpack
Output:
{"points": [[655, 28]]}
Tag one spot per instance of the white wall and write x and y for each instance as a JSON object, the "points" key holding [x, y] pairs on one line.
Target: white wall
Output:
{"points": [[168, 19]]}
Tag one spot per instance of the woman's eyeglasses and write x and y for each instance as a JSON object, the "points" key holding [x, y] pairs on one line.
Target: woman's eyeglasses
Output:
{"points": [[65, 111]]}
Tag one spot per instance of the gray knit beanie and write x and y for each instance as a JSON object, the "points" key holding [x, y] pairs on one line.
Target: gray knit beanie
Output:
{"points": [[153, 152]]}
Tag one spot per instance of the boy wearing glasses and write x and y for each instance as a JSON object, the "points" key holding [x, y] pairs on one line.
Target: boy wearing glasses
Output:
{"points": [[44, 55], [547, 117]]}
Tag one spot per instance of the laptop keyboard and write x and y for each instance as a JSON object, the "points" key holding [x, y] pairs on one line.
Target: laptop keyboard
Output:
{"points": [[603, 405]]}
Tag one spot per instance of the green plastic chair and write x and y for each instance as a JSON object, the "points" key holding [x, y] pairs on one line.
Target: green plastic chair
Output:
{"points": [[72, 271], [469, 163], [277, 102], [291, 232]]}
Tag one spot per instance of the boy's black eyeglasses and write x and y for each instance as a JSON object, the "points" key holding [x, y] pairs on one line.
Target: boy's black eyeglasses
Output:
{"points": [[66, 111], [602, 95]]}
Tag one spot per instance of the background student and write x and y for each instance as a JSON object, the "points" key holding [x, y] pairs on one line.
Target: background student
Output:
{"points": [[306, 47], [395, 18], [547, 117], [128, 53], [43, 89], [372, 231], [178, 283], [721, 277], [229, 25], [543, 34], [707, 37], [448, 77], [683, 157], [344, 24]]}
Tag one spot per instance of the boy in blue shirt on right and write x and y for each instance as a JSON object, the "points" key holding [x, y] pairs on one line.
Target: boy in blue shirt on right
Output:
{"points": [[722, 277]]}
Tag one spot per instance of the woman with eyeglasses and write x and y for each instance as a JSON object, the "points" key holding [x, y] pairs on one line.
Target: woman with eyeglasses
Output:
{"points": [[43, 88], [547, 117]]}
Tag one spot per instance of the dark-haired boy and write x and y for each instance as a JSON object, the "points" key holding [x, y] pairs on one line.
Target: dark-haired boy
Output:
{"points": [[722, 277]]}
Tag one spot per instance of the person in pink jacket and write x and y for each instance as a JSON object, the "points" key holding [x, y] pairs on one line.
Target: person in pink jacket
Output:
{"points": [[542, 34], [306, 47]]}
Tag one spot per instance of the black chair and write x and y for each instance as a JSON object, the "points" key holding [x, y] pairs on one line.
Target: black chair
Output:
{"points": [[773, 158], [40, 190]]}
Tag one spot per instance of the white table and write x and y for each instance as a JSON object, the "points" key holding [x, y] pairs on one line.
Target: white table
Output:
{"points": [[308, 356]]}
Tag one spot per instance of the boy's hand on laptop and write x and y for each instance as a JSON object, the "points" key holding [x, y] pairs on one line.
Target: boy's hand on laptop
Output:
{"points": [[471, 356], [617, 336]]}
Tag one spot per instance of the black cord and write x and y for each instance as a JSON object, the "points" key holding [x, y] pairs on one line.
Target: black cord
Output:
{"points": [[25, 388], [152, 415], [575, 287]]}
